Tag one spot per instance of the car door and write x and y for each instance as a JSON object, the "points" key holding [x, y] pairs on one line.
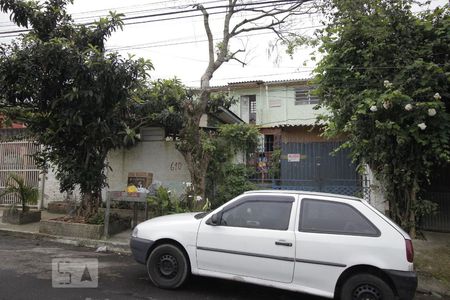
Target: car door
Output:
{"points": [[332, 234], [253, 236]]}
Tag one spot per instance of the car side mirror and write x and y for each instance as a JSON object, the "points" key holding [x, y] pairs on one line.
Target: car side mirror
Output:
{"points": [[215, 219]]}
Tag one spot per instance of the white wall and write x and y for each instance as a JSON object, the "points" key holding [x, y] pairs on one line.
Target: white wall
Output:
{"points": [[377, 198], [51, 190], [158, 157]]}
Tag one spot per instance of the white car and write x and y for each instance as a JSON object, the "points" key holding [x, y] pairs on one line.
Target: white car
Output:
{"points": [[322, 244]]}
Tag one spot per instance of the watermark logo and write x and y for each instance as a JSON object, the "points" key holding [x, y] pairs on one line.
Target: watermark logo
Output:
{"points": [[75, 272]]}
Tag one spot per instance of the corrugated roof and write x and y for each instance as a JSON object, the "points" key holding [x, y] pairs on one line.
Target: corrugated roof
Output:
{"points": [[281, 81], [291, 123], [256, 82]]}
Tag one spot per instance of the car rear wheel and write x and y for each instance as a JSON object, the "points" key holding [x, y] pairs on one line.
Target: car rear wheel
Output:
{"points": [[366, 287], [167, 266]]}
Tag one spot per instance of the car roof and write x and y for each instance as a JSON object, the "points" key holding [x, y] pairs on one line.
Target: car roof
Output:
{"points": [[303, 193]]}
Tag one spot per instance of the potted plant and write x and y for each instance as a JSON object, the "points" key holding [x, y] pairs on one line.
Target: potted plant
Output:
{"points": [[15, 184]]}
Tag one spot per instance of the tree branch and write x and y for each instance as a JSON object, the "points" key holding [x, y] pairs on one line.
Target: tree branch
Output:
{"points": [[208, 74], [272, 13]]}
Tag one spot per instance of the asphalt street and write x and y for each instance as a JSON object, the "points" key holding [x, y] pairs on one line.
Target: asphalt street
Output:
{"points": [[26, 273]]}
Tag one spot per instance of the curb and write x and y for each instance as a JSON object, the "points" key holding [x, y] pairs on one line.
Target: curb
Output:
{"points": [[115, 247]]}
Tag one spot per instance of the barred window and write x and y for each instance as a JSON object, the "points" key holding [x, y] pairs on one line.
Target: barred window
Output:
{"points": [[304, 96]]}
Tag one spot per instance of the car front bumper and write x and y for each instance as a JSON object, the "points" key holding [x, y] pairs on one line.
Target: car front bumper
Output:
{"points": [[139, 248], [405, 283]]}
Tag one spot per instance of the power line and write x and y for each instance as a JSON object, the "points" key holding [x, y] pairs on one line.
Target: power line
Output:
{"points": [[165, 43], [175, 13], [10, 24], [141, 11]]}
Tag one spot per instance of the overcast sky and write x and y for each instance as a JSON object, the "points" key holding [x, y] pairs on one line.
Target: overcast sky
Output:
{"points": [[178, 47]]}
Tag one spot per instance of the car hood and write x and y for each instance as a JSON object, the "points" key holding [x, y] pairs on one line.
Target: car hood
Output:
{"points": [[184, 217], [170, 225]]}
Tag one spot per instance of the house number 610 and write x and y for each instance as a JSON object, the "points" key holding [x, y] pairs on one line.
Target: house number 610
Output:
{"points": [[175, 166]]}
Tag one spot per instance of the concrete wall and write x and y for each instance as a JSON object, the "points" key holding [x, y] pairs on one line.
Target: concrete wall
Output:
{"points": [[51, 190], [377, 198], [158, 157]]}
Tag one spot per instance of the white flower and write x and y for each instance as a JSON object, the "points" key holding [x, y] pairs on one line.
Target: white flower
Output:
{"points": [[408, 107], [198, 198], [431, 112], [373, 108], [437, 96], [422, 126], [387, 84], [387, 104]]}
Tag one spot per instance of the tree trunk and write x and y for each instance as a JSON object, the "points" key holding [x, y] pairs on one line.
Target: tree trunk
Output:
{"points": [[412, 209], [90, 203]]}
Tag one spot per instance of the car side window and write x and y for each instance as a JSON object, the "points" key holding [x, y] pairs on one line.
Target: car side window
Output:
{"points": [[334, 218], [262, 214]]}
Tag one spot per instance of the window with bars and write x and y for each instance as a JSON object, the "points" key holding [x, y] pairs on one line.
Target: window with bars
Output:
{"points": [[268, 143], [304, 96], [252, 106]]}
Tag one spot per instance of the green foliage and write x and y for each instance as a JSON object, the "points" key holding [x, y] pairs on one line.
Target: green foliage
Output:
{"points": [[230, 140], [233, 182], [239, 137], [274, 170], [15, 184], [99, 219], [163, 203], [228, 179], [162, 104], [384, 81], [76, 99], [199, 146]]}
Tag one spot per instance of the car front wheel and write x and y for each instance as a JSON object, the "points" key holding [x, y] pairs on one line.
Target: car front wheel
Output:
{"points": [[366, 287], [167, 266]]}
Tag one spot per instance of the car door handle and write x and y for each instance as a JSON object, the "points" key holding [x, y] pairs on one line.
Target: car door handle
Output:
{"points": [[281, 243]]}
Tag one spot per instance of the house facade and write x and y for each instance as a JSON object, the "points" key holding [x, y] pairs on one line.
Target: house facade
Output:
{"points": [[293, 154]]}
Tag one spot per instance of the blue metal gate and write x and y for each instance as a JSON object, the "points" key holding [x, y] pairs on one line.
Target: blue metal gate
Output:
{"points": [[312, 167]]}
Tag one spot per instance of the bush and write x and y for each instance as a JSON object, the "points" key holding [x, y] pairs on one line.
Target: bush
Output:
{"points": [[235, 182], [163, 203]]}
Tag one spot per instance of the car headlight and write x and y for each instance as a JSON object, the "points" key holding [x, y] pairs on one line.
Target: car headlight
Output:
{"points": [[135, 232]]}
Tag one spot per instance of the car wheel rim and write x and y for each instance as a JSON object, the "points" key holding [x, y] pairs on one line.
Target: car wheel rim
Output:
{"points": [[366, 292], [168, 266]]}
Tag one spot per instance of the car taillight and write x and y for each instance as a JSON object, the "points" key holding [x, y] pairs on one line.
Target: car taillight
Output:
{"points": [[409, 251]]}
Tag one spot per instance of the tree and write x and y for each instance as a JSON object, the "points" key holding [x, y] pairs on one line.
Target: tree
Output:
{"points": [[73, 96], [163, 101], [256, 16], [384, 81]]}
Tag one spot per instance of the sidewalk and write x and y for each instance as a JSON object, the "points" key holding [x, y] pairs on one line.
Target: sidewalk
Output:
{"points": [[117, 243], [432, 262]]}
